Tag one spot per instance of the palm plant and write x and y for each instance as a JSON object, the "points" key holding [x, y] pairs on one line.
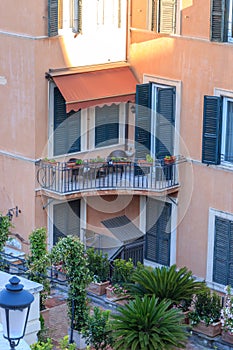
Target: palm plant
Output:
{"points": [[179, 286], [147, 324]]}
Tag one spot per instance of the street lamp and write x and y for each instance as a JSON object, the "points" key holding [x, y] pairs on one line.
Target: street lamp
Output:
{"points": [[14, 306]]}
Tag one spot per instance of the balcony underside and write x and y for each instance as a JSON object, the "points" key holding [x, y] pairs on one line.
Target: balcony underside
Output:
{"points": [[60, 182]]}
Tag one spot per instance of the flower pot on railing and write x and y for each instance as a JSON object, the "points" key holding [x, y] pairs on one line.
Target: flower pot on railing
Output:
{"points": [[169, 160]]}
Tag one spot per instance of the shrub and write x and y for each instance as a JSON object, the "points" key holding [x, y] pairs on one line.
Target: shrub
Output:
{"points": [[148, 324], [207, 308], [98, 332], [122, 271], [98, 265], [166, 283]]}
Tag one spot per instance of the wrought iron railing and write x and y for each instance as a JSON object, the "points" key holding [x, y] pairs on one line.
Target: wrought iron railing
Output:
{"points": [[63, 178]]}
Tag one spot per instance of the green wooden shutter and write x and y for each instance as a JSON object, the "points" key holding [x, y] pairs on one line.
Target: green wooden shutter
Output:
{"points": [[212, 125], [218, 20], [106, 125], [154, 15], [74, 133], [59, 136], [158, 235], [52, 17], [66, 220], [221, 251], [77, 16], [167, 16], [165, 122], [143, 120]]}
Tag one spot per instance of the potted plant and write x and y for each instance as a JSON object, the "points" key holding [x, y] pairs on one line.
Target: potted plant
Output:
{"points": [[49, 161], [227, 316], [71, 251], [121, 276], [169, 159], [145, 323], [205, 317], [99, 267], [38, 261], [98, 333]]}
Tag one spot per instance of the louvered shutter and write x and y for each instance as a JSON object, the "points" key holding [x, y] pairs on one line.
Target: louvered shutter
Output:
{"points": [[77, 16], [66, 220], [212, 125], [143, 120], [52, 18], [60, 14], [218, 20], [59, 136], [165, 122], [221, 251], [154, 15], [74, 133], [158, 235], [106, 125], [230, 260], [167, 16]]}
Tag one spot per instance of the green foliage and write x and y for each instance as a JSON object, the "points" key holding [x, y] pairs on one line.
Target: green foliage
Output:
{"points": [[5, 225], [64, 344], [47, 344], [166, 283], [207, 308], [43, 332], [43, 345], [122, 271], [147, 324], [38, 261], [71, 252], [98, 332], [149, 158], [98, 264]]}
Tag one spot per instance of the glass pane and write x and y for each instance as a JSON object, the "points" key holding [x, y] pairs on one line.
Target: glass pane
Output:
{"points": [[17, 320], [229, 133]]}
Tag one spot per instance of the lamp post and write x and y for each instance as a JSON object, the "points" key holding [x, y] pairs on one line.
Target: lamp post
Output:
{"points": [[14, 306]]}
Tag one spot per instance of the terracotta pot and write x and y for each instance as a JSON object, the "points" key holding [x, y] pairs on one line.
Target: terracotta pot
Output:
{"points": [[227, 337], [211, 331], [98, 288]]}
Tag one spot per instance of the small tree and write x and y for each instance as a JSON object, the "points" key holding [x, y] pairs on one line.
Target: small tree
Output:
{"points": [[38, 261], [70, 251], [148, 324], [98, 265], [122, 271], [5, 225], [98, 332]]}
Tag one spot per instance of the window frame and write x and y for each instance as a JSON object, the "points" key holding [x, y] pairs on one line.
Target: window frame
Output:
{"points": [[224, 129], [221, 23], [70, 16], [155, 12]]}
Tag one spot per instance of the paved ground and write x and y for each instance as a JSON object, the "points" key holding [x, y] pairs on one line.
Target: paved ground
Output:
{"points": [[57, 323]]}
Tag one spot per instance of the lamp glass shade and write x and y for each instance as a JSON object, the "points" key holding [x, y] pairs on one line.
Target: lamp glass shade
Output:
{"points": [[17, 320]]}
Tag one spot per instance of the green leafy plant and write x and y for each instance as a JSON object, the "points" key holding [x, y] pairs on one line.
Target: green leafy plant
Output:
{"points": [[79, 161], [64, 344], [149, 158], [179, 286], [122, 271], [146, 324], [207, 308], [227, 311], [98, 264], [38, 261], [98, 332], [42, 345], [70, 251], [5, 225]]}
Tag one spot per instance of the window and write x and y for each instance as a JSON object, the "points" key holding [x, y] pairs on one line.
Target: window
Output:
{"points": [[221, 20], [220, 248], [158, 232], [109, 13], [66, 220], [67, 127], [217, 144], [64, 14], [106, 125], [155, 120], [163, 16]]}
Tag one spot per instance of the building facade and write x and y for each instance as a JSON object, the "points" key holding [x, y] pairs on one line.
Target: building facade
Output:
{"points": [[83, 79]]}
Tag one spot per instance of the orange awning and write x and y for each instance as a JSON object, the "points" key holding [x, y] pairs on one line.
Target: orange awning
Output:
{"points": [[87, 89]]}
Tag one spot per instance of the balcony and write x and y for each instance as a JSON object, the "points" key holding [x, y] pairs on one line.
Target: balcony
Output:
{"points": [[59, 179]]}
